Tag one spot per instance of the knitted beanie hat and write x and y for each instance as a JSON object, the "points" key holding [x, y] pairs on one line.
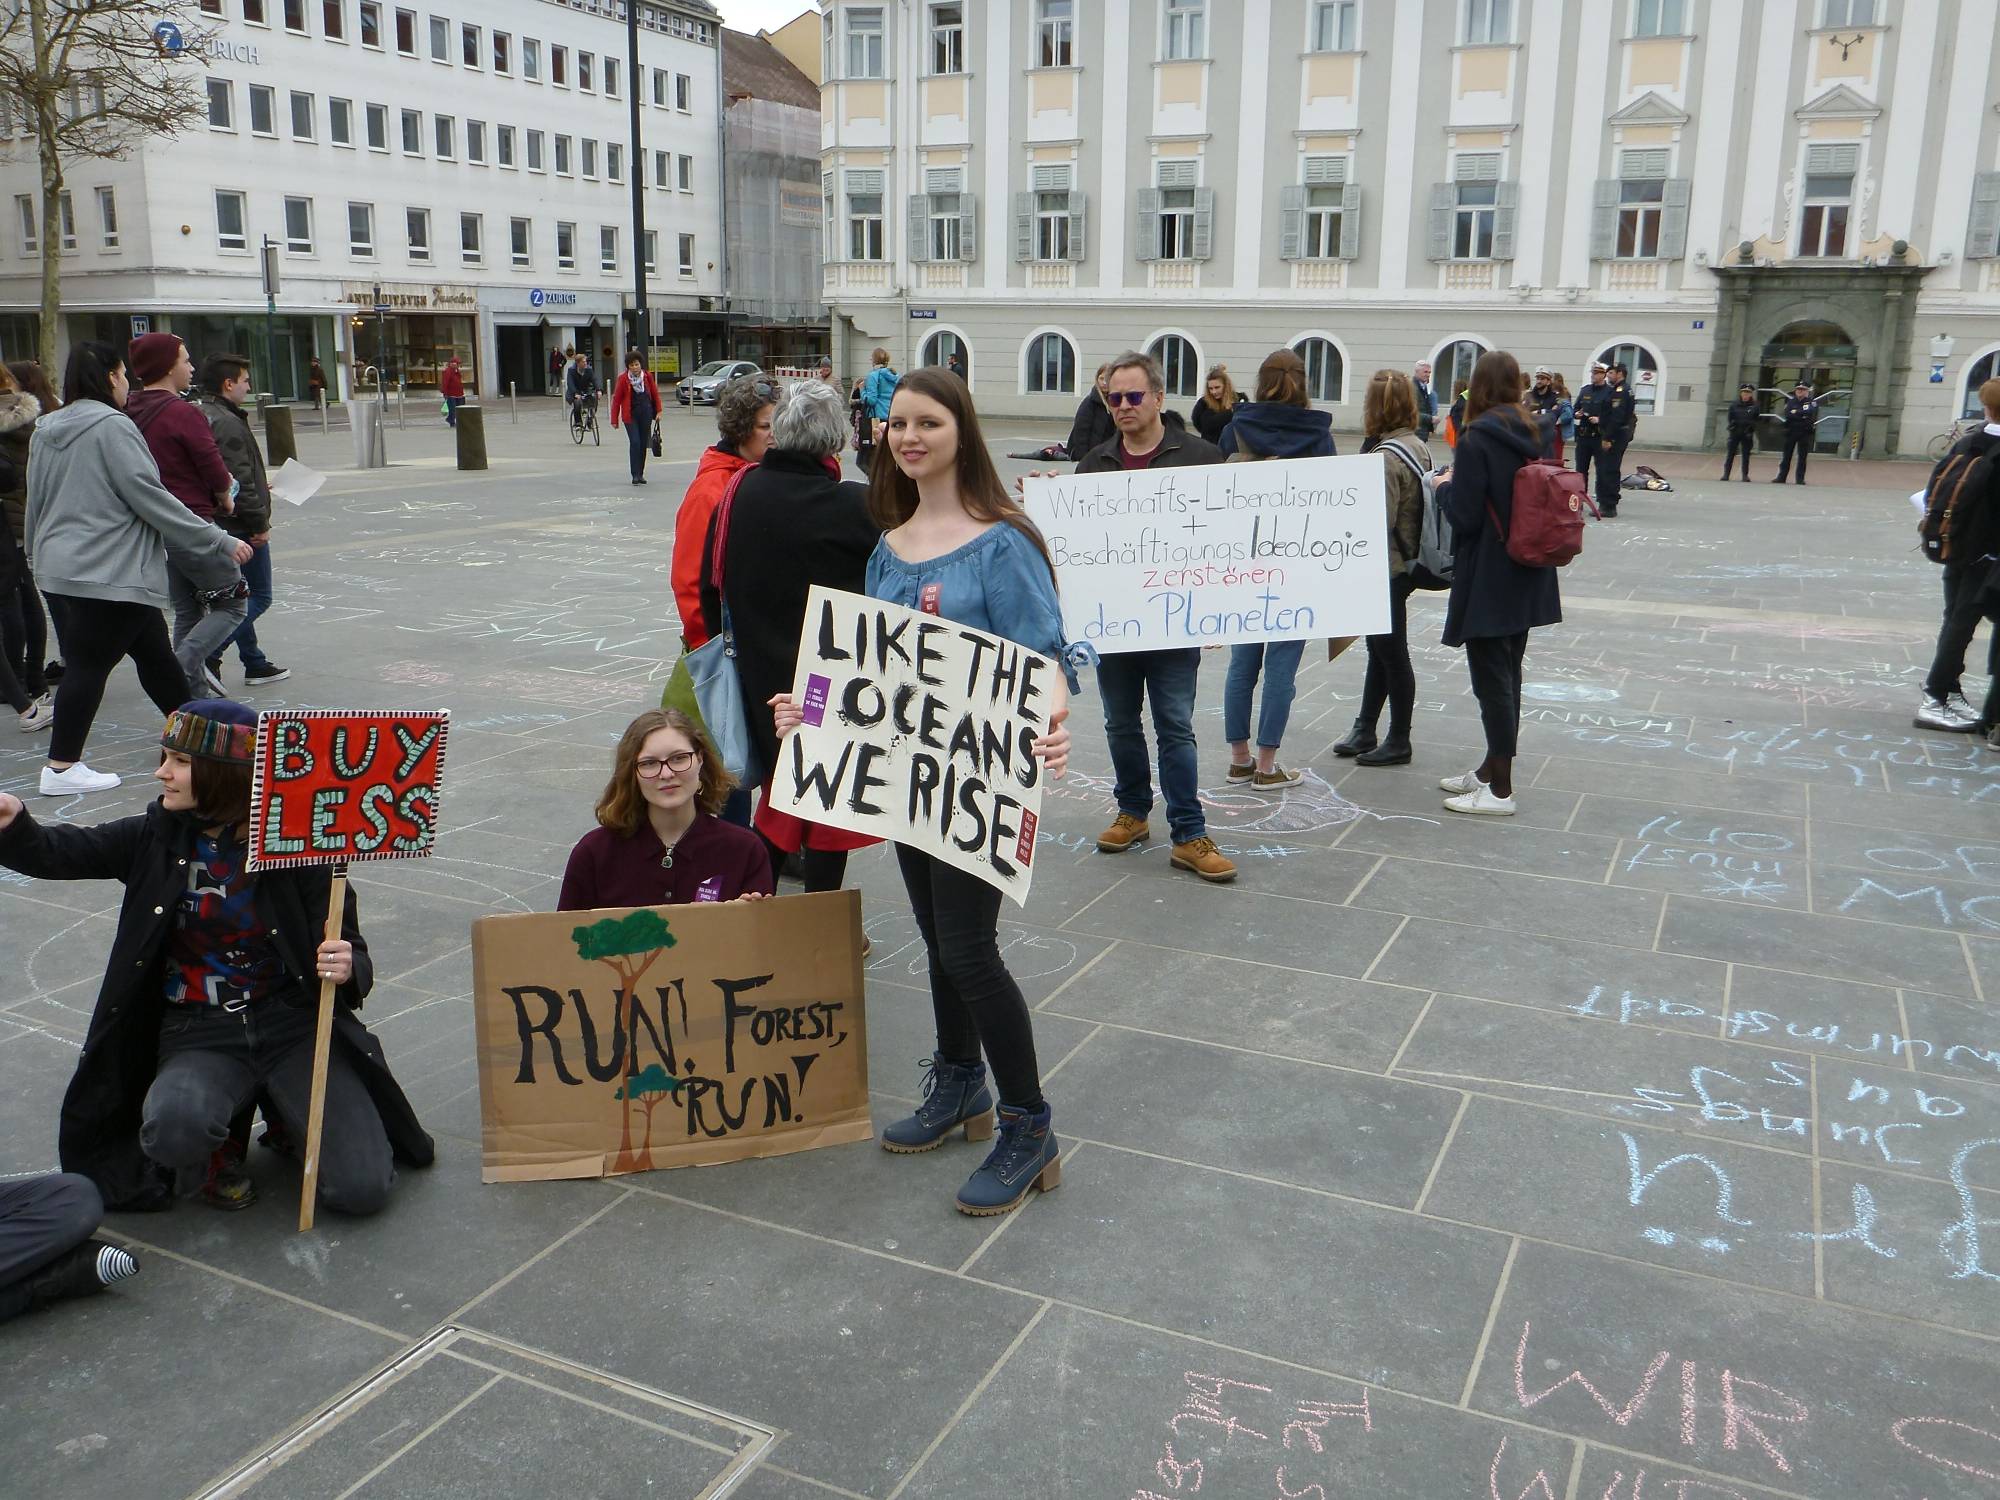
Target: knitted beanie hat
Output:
{"points": [[153, 355], [212, 729]]}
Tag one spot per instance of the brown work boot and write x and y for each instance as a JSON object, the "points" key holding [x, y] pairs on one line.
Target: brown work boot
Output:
{"points": [[1201, 856], [1124, 832]]}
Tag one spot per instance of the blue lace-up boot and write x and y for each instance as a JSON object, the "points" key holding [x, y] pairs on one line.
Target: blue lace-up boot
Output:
{"points": [[1026, 1156], [953, 1096]]}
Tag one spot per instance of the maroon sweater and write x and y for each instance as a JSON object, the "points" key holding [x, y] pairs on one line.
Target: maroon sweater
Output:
{"points": [[714, 861], [183, 446]]}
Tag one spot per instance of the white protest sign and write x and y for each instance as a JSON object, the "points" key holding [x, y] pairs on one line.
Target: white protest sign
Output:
{"points": [[1287, 549], [918, 729]]}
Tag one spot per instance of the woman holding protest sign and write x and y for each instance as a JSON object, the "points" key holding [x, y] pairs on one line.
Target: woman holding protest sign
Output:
{"points": [[956, 545], [210, 997], [659, 839]]}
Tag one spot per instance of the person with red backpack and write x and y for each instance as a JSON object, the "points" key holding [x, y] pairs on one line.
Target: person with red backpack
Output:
{"points": [[1495, 600], [1961, 530]]}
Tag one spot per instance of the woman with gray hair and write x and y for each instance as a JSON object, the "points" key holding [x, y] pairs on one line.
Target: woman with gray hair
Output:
{"points": [[792, 522]]}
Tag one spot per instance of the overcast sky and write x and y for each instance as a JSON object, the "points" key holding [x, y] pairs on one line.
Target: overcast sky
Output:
{"points": [[760, 15]]}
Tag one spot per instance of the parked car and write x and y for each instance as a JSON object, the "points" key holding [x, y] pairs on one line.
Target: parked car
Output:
{"points": [[703, 386]]}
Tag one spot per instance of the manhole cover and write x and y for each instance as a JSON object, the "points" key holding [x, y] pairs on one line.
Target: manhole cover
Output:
{"points": [[469, 1414]]}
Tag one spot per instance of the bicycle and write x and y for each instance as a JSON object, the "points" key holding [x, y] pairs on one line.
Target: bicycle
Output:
{"points": [[1945, 441], [583, 418]]}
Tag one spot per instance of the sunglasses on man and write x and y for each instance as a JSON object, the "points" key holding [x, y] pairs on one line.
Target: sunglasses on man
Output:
{"points": [[1129, 398]]}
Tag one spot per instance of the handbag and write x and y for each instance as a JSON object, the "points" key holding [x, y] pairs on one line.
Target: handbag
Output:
{"points": [[712, 681]]}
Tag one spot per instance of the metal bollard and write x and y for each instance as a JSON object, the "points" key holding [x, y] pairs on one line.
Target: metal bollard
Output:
{"points": [[325, 419], [402, 392], [514, 401]]}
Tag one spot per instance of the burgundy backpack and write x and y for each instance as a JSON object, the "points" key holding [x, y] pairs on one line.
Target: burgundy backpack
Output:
{"points": [[1549, 502]]}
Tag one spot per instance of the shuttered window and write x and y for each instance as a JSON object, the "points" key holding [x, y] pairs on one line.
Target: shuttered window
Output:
{"points": [[1049, 219]]}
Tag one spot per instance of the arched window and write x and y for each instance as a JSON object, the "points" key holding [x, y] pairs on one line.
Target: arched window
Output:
{"points": [[1051, 365], [1977, 374], [1644, 367], [1451, 371], [1179, 362], [941, 346], [1326, 371]]}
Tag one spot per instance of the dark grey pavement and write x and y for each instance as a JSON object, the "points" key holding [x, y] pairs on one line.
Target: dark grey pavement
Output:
{"points": [[1647, 1145]]}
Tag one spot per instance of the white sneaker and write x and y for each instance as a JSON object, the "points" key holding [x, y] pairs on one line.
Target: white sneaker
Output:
{"points": [[1959, 708], [38, 717], [1482, 803], [78, 778], [1458, 786], [1945, 715]]}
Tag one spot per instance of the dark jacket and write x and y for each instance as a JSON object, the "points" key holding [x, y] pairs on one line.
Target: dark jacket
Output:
{"points": [[1427, 402], [1593, 401], [1277, 429], [1093, 427], [18, 411], [1743, 418], [1210, 422], [1179, 449], [183, 447], [1976, 531], [1547, 406], [99, 1132], [1801, 416], [238, 445], [794, 523], [1491, 594], [579, 381], [1621, 413]]}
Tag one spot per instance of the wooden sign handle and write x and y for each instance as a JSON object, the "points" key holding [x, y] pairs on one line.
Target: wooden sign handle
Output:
{"points": [[322, 1056]]}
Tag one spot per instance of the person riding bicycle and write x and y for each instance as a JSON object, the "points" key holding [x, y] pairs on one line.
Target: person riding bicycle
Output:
{"points": [[580, 389]]}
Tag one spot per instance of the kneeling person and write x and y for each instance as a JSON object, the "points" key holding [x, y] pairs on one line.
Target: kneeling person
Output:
{"points": [[210, 999]]}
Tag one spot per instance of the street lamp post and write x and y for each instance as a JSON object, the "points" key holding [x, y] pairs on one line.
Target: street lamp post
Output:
{"points": [[269, 258], [634, 79]]}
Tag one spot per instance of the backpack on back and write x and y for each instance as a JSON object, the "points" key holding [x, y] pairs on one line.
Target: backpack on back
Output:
{"points": [[1549, 502], [1961, 483], [1431, 567]]}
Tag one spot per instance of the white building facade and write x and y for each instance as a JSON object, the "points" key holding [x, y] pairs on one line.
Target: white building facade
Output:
{"points": [[448, 178], [1710, 190]]}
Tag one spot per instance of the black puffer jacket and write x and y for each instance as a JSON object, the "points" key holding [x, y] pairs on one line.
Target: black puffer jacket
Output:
{"points": [[18, 411], [1491, 594]]}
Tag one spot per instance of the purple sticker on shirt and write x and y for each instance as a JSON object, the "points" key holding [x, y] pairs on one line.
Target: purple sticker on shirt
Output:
{"points": [[817, 691], [709, 890]]}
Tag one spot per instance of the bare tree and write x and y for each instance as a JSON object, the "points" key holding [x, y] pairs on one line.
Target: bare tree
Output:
{"points": [[93, 79]]}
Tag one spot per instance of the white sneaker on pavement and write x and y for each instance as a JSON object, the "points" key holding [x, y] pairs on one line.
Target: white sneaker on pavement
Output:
{"points": [[1481, 802], [1458, 786], [1944, 715], [1959, 708], [78, 778], [38, 717]]}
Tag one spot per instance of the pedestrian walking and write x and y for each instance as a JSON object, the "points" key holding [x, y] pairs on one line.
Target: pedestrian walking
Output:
{"points": [[225, 382], [1280, 423], [863, 425], [1801, 419], [1494, 601], [1129, 681], [1389, 418], [315, 383], [635, 405], [35, 629], [191, 466], [1092, 426], [556, 363], [102, 531], [451, 386], [1742, 418], [1971, 576], [23, 677], [1427, 401], [956, 545], [1219, 403], [46, 1251]]}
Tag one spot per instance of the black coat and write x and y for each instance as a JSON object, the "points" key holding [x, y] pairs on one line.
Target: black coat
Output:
{"points": [[1594, 401], [99, 1133], [1743, 419], [1209, 422], [794, 524], [1093, 427], [1179, 449], [1491, 594], [1801, 416]]}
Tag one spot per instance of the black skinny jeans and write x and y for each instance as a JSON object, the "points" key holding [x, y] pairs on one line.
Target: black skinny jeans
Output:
{"points": [[1964, 608], [825, 869], [976, 1000], [97, 635], [1390, 675], [1495, 663], [1738, 446]]}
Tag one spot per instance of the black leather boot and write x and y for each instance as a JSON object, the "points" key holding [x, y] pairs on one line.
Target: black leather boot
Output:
{"points": [[1394, 751], [1360, 739]]}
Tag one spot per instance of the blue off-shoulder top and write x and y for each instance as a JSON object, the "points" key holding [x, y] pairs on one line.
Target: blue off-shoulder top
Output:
{"points": [[997, 582]]}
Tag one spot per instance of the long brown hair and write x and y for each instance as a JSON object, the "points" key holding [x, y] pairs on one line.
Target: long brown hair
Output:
{"points": [[1228, 401], [1496, 381], [892, 494], [1281, 379], [1390, 404], [622, 808], [33, 379]]}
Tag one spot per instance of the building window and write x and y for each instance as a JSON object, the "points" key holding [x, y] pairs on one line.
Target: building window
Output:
{"points": [[253, 12], [221, 105], [295, 16], [864, 215], [1840, 14], [413, 133], [440, 39], [1179, 364], [652, 252], [361, 230], [475, 142], [565, 247], [1475, 204], [589, 155], [687, 254], [1052, 227], [340, 121], [445, 130], [333, 19], [559, 66], [607, 248], [1453, 368], [263, 110], [683, 93], [468, 45], [503, 145], [1182, 214], [614, 161], [1488, 23], [562, 156], [302, 117], [611, 78], [24, 215], [469, 238], [65, 222], [827, 57], [942, 227], [662, 170], [1827, 200], [864, 42], [1326, 371], [947, 39], [299, 226], [107, 219], [418, 222], [586, 72], [1334, 25], [211, 7], [684, 173], [1977, 373], [939, 348], [503, 53], [406, 32], [1186, 29], [1658, 17], [534, 151], [1055, 33], [829, 227], [531, 59], [1644, 367], [660, 81], [1051, 366], [371, 24], [1642, 189], [518, 239], [378, 127], [1317, 214]]}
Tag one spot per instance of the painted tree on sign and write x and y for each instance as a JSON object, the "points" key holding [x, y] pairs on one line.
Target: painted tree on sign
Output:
{"points": [[628, 946], [650, 1088]]}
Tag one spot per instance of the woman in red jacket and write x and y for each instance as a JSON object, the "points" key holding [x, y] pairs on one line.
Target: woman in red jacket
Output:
{"points": [[635, 406], [743, 427], [451, 386]]}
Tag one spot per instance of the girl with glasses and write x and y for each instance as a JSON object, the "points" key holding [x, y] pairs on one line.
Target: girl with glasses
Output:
{"points": [[658, 841]]}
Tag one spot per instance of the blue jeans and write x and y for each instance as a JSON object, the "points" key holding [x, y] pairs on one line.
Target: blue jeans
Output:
{"points": [[1167, 678], [256, 573], [639, 436], [451, 406], [1279, 661]]}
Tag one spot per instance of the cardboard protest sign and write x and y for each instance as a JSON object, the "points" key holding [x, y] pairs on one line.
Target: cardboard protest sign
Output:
{"points": [[333, 785], [1150, 559], [919, 730], [675, 1036]]}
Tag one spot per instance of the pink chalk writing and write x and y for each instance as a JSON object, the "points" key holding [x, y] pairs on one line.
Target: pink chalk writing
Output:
{"points": [[1215, 1411], [1902, 1432], [1622, 1416], [1539, 1484], [1736, 1418], [1204, 1406], [1313, 1416]]}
